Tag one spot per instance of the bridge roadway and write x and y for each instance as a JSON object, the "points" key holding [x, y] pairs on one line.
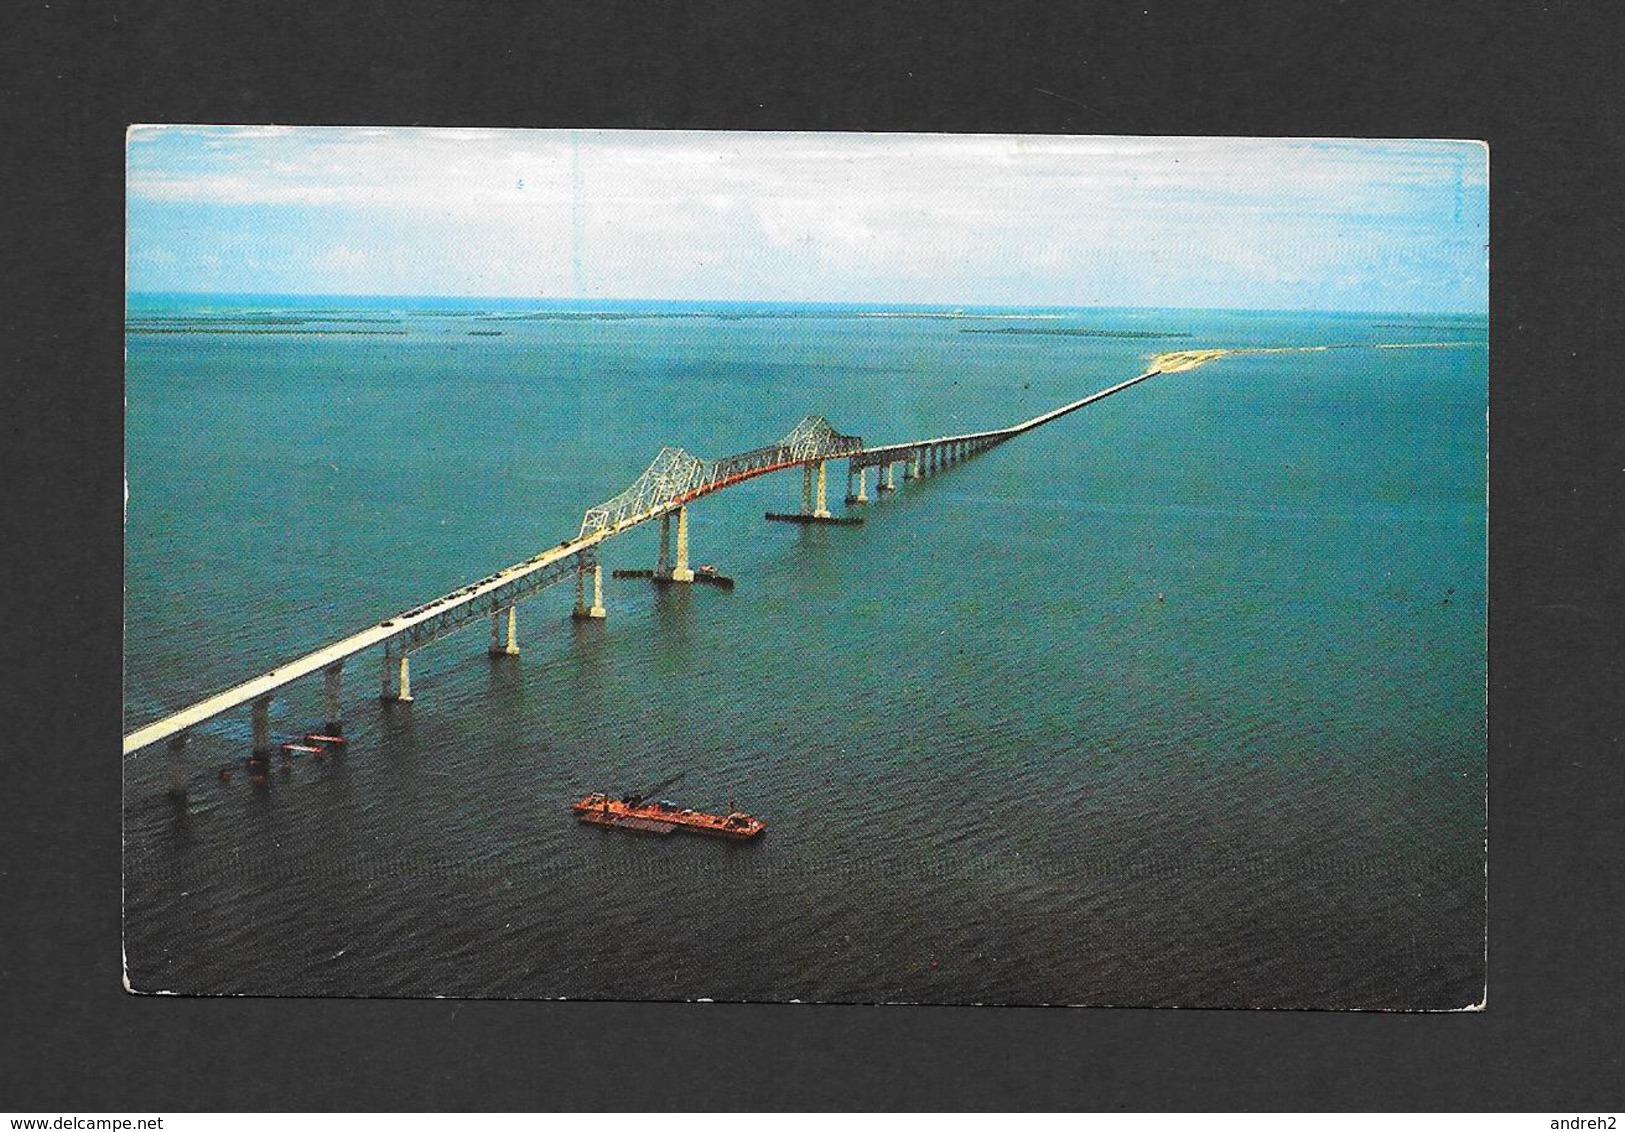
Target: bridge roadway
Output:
{"points": [[329, 655], [895, 453], [500, 591]]}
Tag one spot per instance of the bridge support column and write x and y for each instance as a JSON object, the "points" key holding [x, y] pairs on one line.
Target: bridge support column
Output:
{"points": [[681, 572], [860, 475], [499, 647], [806, 489], [397, 678], [890, 484], [334, 689], [916, 466], [178, 776], [822, 510], [262, 725], [596, 610], [663, 563]]}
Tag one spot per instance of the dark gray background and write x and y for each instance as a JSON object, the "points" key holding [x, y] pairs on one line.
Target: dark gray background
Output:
{"points": [[1539, 83]]}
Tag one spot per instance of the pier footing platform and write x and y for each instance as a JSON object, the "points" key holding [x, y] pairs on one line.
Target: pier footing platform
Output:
{"points": [[817, 520], [720, 581]]}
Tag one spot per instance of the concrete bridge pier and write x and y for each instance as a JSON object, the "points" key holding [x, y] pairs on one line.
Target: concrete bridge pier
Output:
{"points": [[890, 484], [580, 593], [595, 611], [663, 559], [334, 723], [665, 570], [862, 480], [815, 500], [262, 724], [681, 571], [178, 770], [509, 647], [912, 471], [397, 678]]}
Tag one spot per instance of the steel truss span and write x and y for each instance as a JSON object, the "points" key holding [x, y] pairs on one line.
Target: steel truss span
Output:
{"points": [[677, 477]]}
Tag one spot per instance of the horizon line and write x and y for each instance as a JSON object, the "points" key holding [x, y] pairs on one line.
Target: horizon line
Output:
{"points": [[888, 304]]}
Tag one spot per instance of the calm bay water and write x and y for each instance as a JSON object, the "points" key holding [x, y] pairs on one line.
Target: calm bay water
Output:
{"points": [[994, 766]]}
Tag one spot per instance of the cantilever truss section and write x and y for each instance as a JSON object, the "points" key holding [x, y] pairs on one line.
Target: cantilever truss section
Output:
{"points": [[677, 477]]}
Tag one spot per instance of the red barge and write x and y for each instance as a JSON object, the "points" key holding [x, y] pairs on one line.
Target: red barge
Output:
{"points": [[663, 817]]}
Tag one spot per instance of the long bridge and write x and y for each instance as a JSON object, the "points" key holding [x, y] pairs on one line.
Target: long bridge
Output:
{"points": [[672, 481]]}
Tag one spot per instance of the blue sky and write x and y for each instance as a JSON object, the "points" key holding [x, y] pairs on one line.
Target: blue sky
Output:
{"points": [[881, 218]]}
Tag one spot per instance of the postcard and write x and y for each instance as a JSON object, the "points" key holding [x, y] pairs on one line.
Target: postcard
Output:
{"points": [[852, 568]]}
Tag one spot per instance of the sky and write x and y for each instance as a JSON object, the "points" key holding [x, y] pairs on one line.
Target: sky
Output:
{"points": [[968, 219]]}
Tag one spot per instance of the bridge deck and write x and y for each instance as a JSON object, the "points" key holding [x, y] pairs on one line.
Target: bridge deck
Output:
{"points": [[251, 690], [902, 450], [397, 626]]}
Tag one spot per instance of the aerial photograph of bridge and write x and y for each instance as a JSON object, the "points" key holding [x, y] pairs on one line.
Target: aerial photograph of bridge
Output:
{"points": [[869, 568]]}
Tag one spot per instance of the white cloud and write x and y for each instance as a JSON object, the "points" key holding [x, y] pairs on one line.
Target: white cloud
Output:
{"points": [[823, 213], [340, 258]]}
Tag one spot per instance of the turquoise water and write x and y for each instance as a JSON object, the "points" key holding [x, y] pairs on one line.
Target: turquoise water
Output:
{"points": [[994, 765]]}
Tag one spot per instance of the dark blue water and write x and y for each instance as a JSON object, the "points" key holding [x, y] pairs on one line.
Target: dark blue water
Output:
{"points": [[994, 765]]}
